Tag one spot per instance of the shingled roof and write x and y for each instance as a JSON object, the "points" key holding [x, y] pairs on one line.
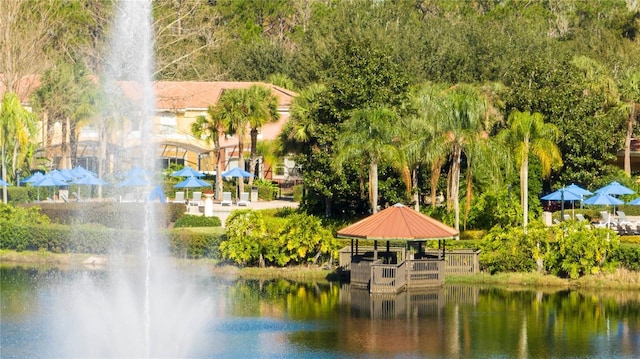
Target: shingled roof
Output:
{"points": [[398, 222]]}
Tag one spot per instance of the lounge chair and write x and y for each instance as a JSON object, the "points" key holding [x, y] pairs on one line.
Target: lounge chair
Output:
{"points": [[195, 200], [622, 218], [244, 199], [580, 217], [179, 198], [226, 199], [566, 217]]}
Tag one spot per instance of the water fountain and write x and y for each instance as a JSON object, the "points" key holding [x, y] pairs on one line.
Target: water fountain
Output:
{"points": [[140, 305]]}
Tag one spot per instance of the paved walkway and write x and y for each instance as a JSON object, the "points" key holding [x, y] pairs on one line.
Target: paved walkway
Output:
{"points": [[223, 212]]}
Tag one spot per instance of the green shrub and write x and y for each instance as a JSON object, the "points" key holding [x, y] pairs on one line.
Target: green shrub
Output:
{"points": [[297, 192], [186, 243], [109, 214], [267, 190], [58, 238], [197, 221], [627, 256]]}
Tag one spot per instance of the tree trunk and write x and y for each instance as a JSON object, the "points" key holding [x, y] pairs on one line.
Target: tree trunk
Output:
{"points": [[524, 189], [469, 197], [240, 162], [373, 186], [219, 188], [415, 190], [253, 159], [627, 139], [73, 143], [436, 167], [63, 145], [4, 174], [455, 184]]}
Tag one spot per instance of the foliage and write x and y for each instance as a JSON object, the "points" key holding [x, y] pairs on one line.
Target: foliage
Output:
{"points": [[304, 239], [109, 214], [187, 243], [247, 237], [253, 238], [627, 256], [267, 190], [197, 221], [569, 250], [508, 250], [578, 250]]}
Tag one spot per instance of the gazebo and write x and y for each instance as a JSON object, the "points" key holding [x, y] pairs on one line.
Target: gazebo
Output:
{"points": [[385, 272]]}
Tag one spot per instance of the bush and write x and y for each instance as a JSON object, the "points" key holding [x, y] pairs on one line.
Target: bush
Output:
{"points": [[197, 221], [297, 193], [267, 190], [65, 239], [109, 214], [186, 243], [627, 256]]}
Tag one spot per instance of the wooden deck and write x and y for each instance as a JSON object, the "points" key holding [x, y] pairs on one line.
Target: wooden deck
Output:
{"points": [[393, 278], [394, 273]]}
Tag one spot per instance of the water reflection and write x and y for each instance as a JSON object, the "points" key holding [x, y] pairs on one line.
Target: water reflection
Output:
{"points": [[281, 318]]}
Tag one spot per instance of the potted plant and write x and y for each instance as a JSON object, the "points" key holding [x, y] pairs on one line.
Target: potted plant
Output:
{"points": [[208, 193]]}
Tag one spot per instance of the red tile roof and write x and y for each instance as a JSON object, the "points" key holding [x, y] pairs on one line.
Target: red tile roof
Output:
{"points": [[172, 95], [398, 222]]}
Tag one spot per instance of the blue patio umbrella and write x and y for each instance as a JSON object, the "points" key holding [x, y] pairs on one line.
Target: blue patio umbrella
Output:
{"points": [[37, 176], [61, 176], [133, 181], [603, 199], [89, 180], [236, 172], [239, 173], [563, 194], [187, 172], [49, 180], [578, 190], [615, 188], [635, 202], [192, 182], [3, 183], [158, 194], [80, 171]]}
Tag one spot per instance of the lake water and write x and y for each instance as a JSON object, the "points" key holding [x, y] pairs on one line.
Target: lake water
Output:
{"points": [[285, 319]]}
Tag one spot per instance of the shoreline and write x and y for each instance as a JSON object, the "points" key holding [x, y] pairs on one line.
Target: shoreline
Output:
{"points": [[621, 279]]}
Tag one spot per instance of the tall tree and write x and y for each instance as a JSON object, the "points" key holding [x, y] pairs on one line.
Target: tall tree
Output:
{"points": [[370, 135], [25, 30], [17, 126], [67, 97], [233, 109], [211, 129], [263, 108], [462, 124], [527, 134], [630, 106]]}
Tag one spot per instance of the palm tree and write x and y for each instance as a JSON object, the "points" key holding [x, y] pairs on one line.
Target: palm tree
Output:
{"points": [[17, 125], [630, 95], [263, 109], [426, 145], [463, 120], [211, 129], [371, 135], [527, 134], [232, 110]]}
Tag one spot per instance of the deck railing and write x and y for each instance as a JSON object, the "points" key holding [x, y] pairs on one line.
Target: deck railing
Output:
{"points": [[388, 278], [425, 273], [361, 271]]}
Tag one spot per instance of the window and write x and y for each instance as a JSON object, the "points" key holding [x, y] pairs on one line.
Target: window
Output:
{"points": [[168, 123]]}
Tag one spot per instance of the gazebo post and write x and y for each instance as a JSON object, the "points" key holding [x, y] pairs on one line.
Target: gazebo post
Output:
{"points": [[352, 249], [444, 244], [375, 249], [388, 249]]}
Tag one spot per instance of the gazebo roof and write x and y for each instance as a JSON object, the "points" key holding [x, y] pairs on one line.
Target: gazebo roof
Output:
{"points": [[398, 222]]}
